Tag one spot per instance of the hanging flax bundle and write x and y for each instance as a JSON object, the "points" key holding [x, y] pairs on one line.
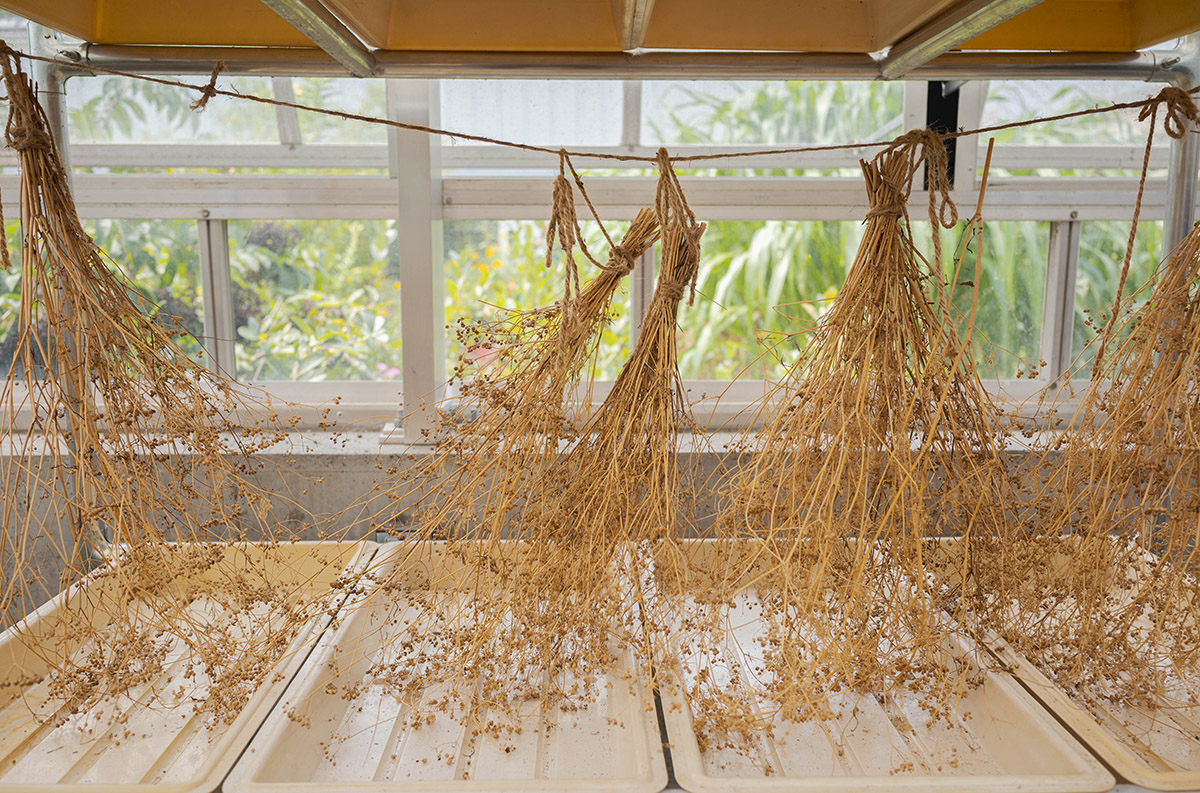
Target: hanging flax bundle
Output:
{"points": [[548, 507], [1101, 590], [1099, 586], [112, 448], [879, 439]]}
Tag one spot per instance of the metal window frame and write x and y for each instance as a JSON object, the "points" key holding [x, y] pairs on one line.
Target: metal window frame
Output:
{"points": [[412, 184]]}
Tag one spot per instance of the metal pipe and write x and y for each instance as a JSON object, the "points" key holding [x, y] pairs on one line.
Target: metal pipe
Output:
{"points": [[49, 81], [320, 26], [946, 31], [1185, 157], [619, 65]]}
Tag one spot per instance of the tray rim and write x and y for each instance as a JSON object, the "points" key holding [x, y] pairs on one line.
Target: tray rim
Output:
{"points": [[689, 764], [232, 744], [241, 778]]}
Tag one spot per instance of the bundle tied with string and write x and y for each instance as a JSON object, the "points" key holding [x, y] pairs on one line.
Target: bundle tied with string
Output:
{"points": [[113, 448], [1098, 586], [525, 615], [879, 438], [1100, 591]]}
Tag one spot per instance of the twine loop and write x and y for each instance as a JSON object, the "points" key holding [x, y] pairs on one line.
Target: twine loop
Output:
{"points": [[669, 201], [210, 89], [1181, 111], [563, 227], [26, 129]]}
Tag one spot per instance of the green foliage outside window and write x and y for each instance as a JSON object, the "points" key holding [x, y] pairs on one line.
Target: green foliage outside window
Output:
{"points": [[320, 299]]}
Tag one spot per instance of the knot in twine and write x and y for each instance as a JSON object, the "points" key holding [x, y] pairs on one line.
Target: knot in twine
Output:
{"points": [[1180, 110], [889, 181], [926, 147], [621, 260], [24, 133], [209, 90], [888, 199], [675, 289]]}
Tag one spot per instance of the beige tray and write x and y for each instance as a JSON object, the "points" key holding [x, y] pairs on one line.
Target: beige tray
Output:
{"points": [[1159, 750], [1006, 743], [321, 739], [150, 734]]}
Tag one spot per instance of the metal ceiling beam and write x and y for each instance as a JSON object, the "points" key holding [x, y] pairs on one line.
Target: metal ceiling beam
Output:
{"points": [[632, 18], [1149, 66], [948, 30], [318, 23]]}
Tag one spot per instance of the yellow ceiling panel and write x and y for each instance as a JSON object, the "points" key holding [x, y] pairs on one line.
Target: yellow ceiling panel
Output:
{"points": [[1093, 25], [588, 25], [811, 25], [512, 25], [213, 22]]}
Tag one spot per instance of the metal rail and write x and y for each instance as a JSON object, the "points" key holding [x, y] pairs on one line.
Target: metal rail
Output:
{"points": [[1149, 66], [322, 28], [946, 31]]}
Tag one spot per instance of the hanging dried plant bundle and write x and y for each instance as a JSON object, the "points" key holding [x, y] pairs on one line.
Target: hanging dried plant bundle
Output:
{"points": [[544, 601], [113, 447], [1102, 591], [879, 439]]}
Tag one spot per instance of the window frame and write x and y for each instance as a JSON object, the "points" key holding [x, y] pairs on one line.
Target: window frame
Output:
{"points": [[424, 179]]}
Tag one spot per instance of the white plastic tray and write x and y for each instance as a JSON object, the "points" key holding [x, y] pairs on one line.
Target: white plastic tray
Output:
{"points": [[1157, 747], [998, 739], [317, 739], [151, 734]]}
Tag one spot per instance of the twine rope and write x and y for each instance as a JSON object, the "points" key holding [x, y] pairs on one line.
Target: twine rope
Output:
{"points": [[564, 226], [1179, 101]]}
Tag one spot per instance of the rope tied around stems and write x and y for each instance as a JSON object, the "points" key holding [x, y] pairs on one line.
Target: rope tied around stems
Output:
{"points": [[897, 166], [671, 206], [209, 90], [26, 129], [621, 260]]}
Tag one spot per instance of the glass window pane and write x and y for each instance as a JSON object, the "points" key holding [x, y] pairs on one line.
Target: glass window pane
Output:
{"points": [[1011, 293], [1101, 251], [497, 266], [1017, 100], [361, 97], [10, 296], [760, 282], [541, 112], [770, 112], [112, 109], [162, 259], [316, 299]]}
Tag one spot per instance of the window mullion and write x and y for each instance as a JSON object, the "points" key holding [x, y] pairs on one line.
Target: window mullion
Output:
{"points": [[415, 167], [216, 290], [1058, 310], [286, 118]]}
